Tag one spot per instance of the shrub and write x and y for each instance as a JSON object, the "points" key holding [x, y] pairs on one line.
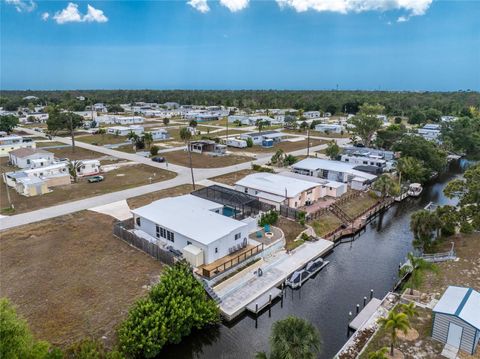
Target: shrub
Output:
{"points": [[259, 168], [249, 142], [154, 150], [270, 217], [466, 228], [398, 120], [305, 236], [173, 308]]}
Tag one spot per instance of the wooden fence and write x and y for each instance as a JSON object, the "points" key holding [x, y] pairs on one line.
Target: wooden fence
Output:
{"points": [[121, 230], [289, 212]]}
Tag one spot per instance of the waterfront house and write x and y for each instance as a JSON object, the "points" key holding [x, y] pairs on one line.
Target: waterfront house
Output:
{"points": [[13, 142], [328, 188], [30, 158], [193, 225], [280, 190], [365, 161], [456, 319], [334, 171]]}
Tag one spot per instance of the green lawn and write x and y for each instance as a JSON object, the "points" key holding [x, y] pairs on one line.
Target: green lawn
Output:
{"points": [[356, 206], [325, 224], [102, 139]]}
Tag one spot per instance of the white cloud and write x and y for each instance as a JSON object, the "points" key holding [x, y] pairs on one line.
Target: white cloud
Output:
{"points": [[45, 16], [72, 14], [235, 5], [94, 15], [403, 18], [414, 7], [23, 5], [200, 5]]}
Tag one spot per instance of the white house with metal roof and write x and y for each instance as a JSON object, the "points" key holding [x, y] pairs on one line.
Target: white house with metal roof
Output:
{"points": [[328, 188], [191, 224], [456, 320], [334, 171], [30, 158], [277, 190]]}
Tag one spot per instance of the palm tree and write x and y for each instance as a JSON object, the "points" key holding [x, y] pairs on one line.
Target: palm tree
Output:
{"points": [[409, 310], [186, 136], [423, 223], [74, 169], [411, 168], [379, 354], [148, 139], [393, 323], [132, 136], [386, 186], [293, 338], [417, 267]]}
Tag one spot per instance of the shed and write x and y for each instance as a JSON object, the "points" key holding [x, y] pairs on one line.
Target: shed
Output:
{"points": [[456, 318], [193, 255]]}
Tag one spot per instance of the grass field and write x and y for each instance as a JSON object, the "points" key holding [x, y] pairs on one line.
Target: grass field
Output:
{"points": [[356, 206], [78, 154], [102, 139], [49, 143], [291, 230], [231, 178], [116, 180], [71, 278], [145, 199], [325, 224], [204, 160]]}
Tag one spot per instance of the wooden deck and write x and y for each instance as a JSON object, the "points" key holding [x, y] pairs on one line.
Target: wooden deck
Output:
{"points": [[221, 265]]}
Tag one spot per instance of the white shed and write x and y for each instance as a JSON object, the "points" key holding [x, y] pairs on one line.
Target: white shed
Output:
{"points": [[456, 320]]}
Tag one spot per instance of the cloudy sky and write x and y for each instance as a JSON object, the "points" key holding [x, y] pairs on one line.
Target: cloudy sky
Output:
{"points": [[241, 44]]}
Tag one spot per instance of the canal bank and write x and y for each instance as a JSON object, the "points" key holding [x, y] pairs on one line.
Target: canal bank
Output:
{"points": [[369, 262]]}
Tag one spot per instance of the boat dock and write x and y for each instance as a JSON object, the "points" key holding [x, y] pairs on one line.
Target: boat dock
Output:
{"points": [[264, 300], [248, 287], [365, 314]]}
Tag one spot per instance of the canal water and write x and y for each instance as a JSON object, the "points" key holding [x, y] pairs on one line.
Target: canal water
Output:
{"points": [[369, 262]]}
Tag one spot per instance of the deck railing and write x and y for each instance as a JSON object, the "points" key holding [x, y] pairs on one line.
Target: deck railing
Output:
{"points": [[241, 257]]}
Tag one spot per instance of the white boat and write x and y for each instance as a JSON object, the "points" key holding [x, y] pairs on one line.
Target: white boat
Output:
{"points": [[415, 189], [301, 276]]}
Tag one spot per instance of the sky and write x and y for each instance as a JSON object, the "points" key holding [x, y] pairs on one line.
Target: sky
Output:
{"points": [[418, 45]]}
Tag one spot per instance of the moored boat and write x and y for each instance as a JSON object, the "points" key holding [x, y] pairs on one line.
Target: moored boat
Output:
{"points": [[415, 189]]}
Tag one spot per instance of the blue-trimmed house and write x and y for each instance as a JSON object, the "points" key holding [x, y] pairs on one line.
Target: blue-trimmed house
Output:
{"points": [[456, 318]]}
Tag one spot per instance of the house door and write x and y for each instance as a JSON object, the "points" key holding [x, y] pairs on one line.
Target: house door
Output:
{"points": [[454, 335]]}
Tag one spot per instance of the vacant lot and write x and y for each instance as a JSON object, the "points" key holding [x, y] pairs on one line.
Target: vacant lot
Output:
{"points": [[102, 139], [71, 278], [116, 180], [291, 230], [49, 143], [204, 160], [317, 133], [325, 224], [286, 146], [78, 154], [231, 178], [148, 198]]}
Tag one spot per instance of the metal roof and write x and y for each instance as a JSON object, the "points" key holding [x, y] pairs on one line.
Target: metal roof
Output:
{"points": [[461, 302]]}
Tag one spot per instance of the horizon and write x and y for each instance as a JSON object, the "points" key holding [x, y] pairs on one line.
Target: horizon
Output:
{"points": [[238, 45]]}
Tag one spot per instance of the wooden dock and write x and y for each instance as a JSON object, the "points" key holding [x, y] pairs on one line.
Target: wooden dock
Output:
{"points": [[264, 300], [365, 313]]}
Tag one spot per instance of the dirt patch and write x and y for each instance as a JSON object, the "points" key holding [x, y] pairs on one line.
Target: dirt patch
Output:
{"points": [[231, 178], [291, 230], [204, 160], [145, 199], [423, 347], [116, 180], [71, 278], [464, 272]]}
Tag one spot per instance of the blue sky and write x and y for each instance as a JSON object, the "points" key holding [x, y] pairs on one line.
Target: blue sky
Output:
{"points": [[241, 44]]}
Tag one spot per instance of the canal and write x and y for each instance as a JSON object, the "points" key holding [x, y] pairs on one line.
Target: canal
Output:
{"points": [[369, 262]]}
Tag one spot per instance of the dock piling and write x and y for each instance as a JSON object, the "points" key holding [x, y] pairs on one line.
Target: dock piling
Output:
{"points": [[371, 294], [364, 301], [358, 308]]}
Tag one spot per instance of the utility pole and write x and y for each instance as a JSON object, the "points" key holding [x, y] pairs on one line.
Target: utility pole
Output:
{"points": [[308, 142], [8, 195]]}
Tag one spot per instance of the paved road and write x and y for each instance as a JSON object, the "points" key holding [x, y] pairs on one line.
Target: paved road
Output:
{"points": [[183, 177]]}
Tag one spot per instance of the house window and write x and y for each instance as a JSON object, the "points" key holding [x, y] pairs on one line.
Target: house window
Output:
{"points": [[170, 236], [163, 232], [28, 162], [246, 190], [237, 236], [216, 250], [137, 220], [189, 243], [157, 231], [309, 191]]}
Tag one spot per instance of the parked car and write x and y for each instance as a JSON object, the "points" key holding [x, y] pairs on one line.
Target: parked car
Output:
{"points": [[158, 159], [95, 179]]}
